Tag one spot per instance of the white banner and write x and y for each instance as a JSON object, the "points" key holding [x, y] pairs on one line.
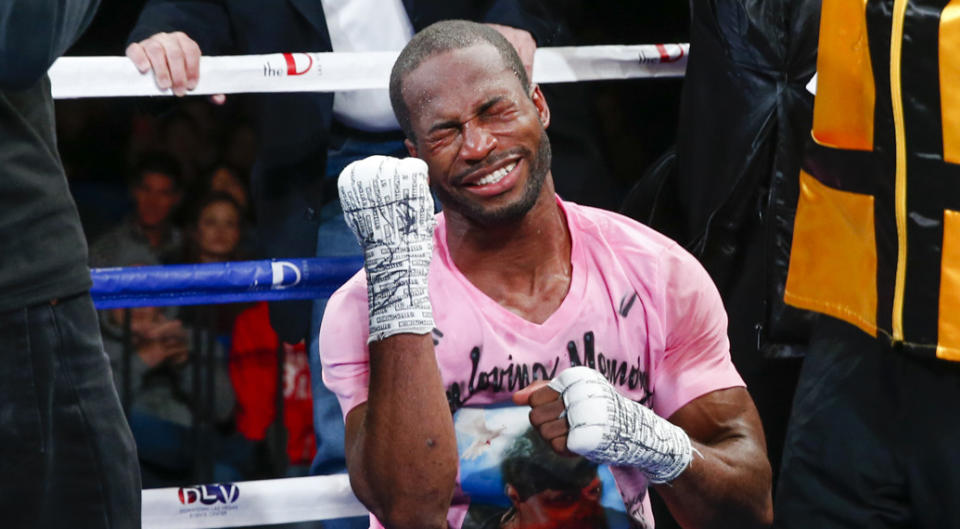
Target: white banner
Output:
{"points": [[75, 77], [264, 502]]}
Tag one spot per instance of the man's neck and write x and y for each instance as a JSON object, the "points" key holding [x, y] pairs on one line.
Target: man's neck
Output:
{"points": [[525, 266]]}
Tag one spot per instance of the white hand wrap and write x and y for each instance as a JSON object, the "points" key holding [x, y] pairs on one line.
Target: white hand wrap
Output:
{"points": [[387, 203], [606, 427]]}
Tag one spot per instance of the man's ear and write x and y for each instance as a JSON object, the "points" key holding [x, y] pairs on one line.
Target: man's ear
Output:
{"points": [[411, 148], [512, 493], [540, 102]]}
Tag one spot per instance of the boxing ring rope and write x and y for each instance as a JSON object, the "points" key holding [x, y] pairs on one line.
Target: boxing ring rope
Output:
{"points": [[287, 500], [75, 77], [271, 501], [214, 283], [263, 502]]}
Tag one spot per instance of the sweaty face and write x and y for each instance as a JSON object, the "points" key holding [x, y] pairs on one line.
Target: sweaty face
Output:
{"points": [[480, 133]]}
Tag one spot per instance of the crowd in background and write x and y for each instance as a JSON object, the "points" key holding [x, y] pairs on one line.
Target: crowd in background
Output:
{"points": [[198, 382]]}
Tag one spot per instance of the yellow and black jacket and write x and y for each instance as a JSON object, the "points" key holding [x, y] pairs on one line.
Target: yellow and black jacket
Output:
{"points": [[877, 232]]}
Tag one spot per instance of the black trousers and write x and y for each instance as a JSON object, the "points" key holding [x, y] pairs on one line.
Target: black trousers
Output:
{"points": [[874, 437], [67, 457]]}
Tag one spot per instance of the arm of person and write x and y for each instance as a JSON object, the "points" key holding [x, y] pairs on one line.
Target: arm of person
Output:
{"points": [[399, 441], [724, 480], [112, 334], [171, 35], [531, 16], [708, 461], [728, 481], [520, 26], [400, 445], [33, 33], [522, 41]]}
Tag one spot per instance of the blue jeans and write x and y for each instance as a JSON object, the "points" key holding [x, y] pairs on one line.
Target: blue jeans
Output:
{"points": [[68, 457]]}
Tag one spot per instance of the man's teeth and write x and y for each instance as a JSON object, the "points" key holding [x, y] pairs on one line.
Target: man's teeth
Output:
{"points": [[496, 176]]}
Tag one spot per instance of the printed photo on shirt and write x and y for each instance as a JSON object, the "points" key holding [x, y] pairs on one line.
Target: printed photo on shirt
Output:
{"points": [[515, 480]]}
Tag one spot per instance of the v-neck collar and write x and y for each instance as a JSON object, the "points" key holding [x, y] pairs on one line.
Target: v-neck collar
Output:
{"points": [[561, 318]]}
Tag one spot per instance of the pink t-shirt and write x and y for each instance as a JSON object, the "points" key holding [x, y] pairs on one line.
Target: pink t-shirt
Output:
{"points": [[640, 309]]}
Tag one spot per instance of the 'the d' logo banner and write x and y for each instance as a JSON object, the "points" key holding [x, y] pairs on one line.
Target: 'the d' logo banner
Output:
{"points": [[298, 63]]}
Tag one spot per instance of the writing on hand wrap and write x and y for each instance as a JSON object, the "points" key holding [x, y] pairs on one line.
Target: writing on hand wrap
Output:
{"points": [[388, 206]]}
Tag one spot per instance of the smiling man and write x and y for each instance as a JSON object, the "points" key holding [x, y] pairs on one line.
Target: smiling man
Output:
{"points": [[511, 286]]}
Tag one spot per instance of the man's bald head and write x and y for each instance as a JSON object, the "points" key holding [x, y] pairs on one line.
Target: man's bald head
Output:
{"points": [[441, 37]]}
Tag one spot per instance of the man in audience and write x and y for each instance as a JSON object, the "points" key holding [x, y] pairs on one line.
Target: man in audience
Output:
{"points": [[156, 191]]}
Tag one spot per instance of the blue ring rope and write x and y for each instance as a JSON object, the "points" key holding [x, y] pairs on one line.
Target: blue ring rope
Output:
{"points": [[215, 283]]}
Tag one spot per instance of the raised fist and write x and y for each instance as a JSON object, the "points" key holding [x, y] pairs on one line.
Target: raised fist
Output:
{"points": [[387, 204]]}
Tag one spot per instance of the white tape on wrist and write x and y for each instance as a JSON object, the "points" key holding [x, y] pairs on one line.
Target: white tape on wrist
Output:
{"points": [[606, 427], [387, 203]]}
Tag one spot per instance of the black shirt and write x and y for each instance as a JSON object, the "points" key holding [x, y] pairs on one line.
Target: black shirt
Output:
{"points": [[43, 252]]}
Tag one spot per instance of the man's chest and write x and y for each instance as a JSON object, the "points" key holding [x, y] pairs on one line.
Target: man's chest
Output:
{"points": [[484, 359]]}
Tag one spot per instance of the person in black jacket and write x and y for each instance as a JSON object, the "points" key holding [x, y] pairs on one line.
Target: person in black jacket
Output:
{"points": [[68, 458]]}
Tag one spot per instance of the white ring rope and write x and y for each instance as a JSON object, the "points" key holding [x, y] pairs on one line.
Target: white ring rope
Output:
{"points": [[265, 502], [75, 77]]}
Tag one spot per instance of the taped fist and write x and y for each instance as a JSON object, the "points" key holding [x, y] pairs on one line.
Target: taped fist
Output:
{"points": [[387, 204], [581, 412]]}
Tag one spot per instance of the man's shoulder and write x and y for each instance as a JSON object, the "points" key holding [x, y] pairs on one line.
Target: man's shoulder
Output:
{"points": [[647, 256], [622, 233]]}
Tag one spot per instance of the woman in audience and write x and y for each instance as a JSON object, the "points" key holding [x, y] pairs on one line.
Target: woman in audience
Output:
{"points": [[213, 235]]}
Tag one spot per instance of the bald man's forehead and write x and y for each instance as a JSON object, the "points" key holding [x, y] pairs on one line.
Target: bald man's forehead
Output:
{"points": [[454, 69]]}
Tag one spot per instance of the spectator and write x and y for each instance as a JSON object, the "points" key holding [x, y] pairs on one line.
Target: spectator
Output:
{"points": [[180, 136], [215, 230], [159, 390], [240, 146], [156, 189], [213, 235], [253, 371]]}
